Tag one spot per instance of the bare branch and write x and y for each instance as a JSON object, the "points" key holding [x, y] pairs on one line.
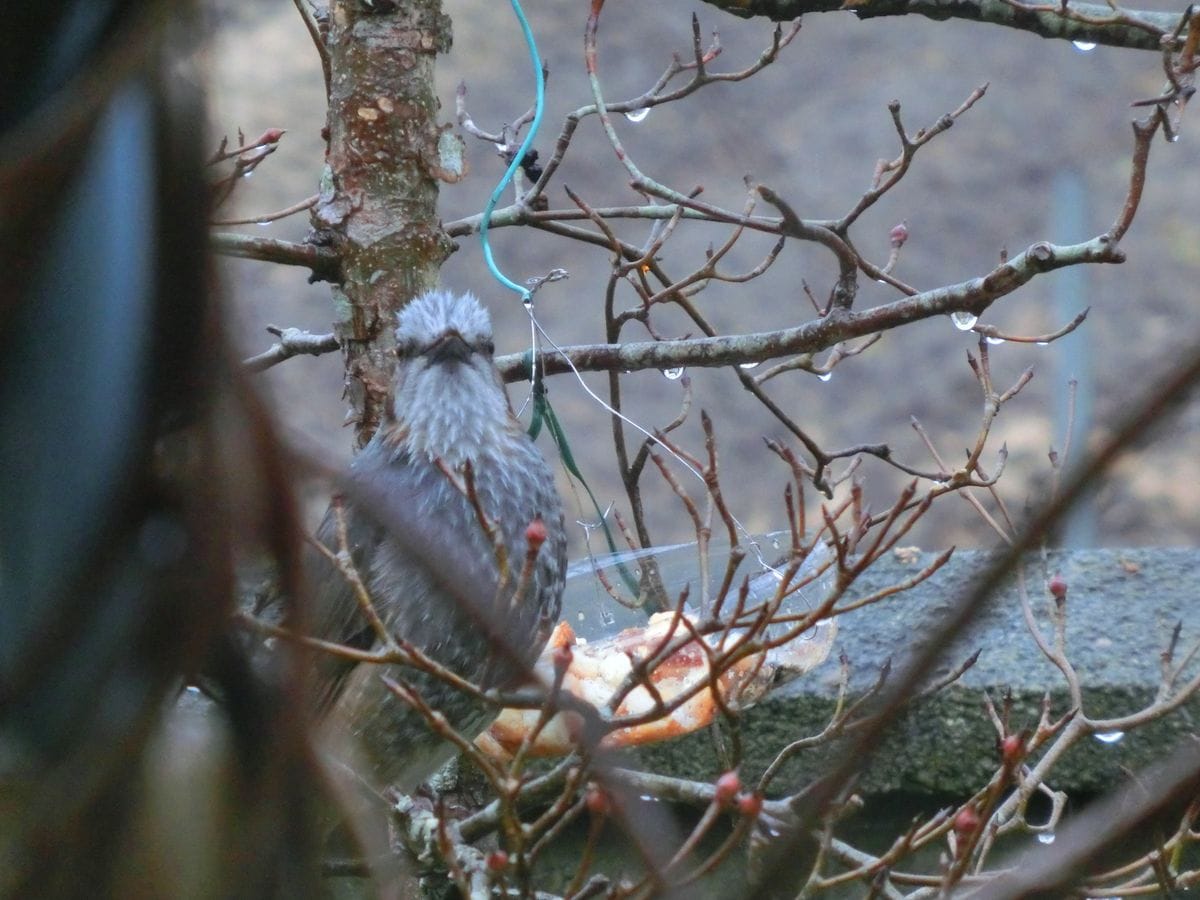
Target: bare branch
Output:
{"points": [[324, 262], [1090, 22], [974, 296], [292, 342]]}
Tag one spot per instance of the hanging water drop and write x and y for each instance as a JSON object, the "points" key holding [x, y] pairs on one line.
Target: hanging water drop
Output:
{"points": [[749, 365], [1046, 837], [964, 321], [528, 304], [825, 376], [1173, 137], [638, 115], [263, 222], [1109, 737], [673, 374], [1083, 46], [995, 340], [1043, 343]]}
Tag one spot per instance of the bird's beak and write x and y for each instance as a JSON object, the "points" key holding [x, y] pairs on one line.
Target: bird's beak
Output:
{"points": [[451, 347]]}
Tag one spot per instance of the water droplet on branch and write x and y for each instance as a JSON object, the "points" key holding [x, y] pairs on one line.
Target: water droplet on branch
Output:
{"points": [[749, 365], [673, 374], [1109, 737], [995, 340], [964, 321], [1083, 46], [638, 115], [825, 376], [1046, 837]]}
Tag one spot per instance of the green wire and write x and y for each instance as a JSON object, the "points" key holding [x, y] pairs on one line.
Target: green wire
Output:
{"points": [[543, 413]]}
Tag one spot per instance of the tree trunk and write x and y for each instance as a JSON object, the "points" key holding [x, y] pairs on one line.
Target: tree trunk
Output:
{"points": [[379, 188]]}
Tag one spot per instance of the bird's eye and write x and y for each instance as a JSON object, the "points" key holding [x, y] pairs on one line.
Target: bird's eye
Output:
{"points": [[488, 347]]}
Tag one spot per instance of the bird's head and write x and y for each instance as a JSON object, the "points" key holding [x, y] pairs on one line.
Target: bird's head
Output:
{"points": [[449, 397]]}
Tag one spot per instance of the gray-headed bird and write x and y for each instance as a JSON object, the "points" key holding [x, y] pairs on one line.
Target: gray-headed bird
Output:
{"points": [[462, 580]]}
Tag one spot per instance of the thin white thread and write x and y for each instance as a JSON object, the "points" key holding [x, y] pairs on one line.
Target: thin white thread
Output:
{"points": [[536, 328]]}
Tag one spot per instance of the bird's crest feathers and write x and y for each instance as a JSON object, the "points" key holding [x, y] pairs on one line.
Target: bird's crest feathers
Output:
{"points": [[435, 312]]}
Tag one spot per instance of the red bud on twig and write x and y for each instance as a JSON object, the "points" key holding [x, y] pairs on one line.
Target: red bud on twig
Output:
{"points": [[728, 786], [536, 534]]}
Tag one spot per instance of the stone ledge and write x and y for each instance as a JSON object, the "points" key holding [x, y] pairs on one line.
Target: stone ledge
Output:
{"points": [[1122, 606]]}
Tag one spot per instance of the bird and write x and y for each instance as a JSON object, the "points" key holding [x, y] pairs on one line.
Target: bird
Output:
{"points": [[476, 585]]}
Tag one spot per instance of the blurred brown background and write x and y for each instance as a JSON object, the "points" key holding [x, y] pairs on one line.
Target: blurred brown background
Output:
{"points": [[812, 127]]}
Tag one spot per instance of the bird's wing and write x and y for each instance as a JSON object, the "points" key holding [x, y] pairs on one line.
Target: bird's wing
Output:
{"points": [[417, 558], [334, 612]]}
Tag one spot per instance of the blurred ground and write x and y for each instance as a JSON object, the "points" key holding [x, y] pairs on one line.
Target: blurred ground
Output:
{"points": [[812, 127]]}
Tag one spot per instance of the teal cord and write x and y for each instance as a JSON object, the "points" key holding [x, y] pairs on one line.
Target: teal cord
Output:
{"points": [[538, 108], [543, 412]]}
